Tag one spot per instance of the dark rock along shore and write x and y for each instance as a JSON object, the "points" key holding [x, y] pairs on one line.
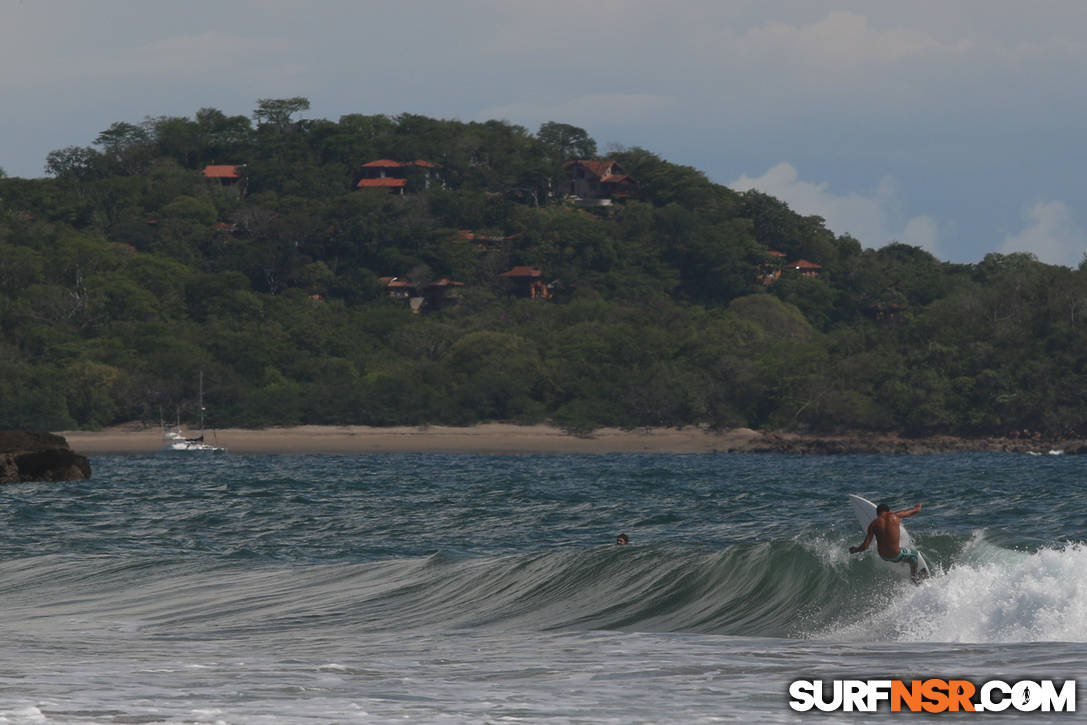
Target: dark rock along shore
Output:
{"points": [[39, 456], [861, 443]]}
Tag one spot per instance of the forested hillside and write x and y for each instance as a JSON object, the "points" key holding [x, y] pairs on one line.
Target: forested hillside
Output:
{"points": [[246, 249]]}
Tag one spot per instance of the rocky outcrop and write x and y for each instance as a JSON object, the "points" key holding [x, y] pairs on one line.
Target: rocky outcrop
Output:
{"points": [[38, 456], [817, 445]]}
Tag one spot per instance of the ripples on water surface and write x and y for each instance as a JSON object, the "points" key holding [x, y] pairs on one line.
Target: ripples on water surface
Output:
{"points": [[444, 588]]}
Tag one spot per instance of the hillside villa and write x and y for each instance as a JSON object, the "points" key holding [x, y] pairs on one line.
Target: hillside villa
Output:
{"points": [[393, 175], [598, 182]]}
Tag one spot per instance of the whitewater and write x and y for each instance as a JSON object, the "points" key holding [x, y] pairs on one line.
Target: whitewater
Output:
{"points": [[466, 588]]}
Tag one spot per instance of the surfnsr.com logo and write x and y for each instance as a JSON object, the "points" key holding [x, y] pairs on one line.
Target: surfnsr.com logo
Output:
{"points": [[933, 695]]}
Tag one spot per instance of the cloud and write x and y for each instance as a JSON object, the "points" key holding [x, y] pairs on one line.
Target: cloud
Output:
{"points": [[842, 40], [873, 218], [1052, 235], [182, 55], [210, 54], [922, 231]]}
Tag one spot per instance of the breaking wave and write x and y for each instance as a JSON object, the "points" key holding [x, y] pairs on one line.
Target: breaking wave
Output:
{"points": [[980, 592]]}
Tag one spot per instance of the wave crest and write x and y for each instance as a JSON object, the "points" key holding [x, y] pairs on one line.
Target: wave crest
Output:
{"points": [[808, 589]]}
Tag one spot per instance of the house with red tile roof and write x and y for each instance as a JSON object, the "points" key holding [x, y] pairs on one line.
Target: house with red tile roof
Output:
{"points": [[393, 175], [223, 171], [227, 175], [598, 182], [805, 268], [771, 269], [397, 287], [528, 282]]}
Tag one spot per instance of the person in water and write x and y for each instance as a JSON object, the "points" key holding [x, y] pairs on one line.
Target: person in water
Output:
{"points": [[887, 530], [622, 540]]}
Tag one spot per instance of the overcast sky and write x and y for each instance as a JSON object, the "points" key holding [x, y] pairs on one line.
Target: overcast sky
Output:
{"points": [[953, 126]]}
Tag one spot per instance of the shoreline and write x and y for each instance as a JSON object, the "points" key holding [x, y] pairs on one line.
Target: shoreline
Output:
{"points": [[486, 438], [505, 438]]}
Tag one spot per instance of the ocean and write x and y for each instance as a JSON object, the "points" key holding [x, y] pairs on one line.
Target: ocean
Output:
{"points": [[430, 588]]}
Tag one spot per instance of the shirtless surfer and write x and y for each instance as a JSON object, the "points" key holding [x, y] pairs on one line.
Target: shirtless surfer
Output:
{"points": [[885, 527]]}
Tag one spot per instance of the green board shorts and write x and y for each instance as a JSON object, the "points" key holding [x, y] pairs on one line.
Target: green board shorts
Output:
{"points": [[907, 555]]}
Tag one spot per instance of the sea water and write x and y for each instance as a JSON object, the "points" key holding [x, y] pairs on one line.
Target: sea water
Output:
{"points": [[488, 589]]}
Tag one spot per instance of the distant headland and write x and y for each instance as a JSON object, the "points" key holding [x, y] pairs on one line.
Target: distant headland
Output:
{"points": [[265, 271]]}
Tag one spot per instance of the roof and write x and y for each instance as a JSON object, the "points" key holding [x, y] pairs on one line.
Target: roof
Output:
{"points": [[599, 167], [775, 253], [223, 171], [804, 264], [522, 272], [387, 182], [619, 179], [383, 162]]}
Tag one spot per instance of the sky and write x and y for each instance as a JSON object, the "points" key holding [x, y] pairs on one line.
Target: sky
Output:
{"points": [[952, 126]]}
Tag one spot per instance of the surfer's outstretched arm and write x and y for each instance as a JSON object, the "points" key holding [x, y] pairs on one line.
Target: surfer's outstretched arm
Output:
{"points": [[864, 545], [908, 512]]}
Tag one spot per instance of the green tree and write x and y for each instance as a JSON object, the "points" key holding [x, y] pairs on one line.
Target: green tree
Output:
{"points": [[227, 139], [563, 142], [277, 112], [493, 375], [92, 393], [178, 138], [20, 267], [127, 148], [75, 163]]}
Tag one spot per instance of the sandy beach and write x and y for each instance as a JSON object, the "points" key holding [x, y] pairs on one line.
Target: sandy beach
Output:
{"points": [[495, 438], [505, 438]]}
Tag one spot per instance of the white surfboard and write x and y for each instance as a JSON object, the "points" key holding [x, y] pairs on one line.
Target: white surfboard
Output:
{"points": [[865, 511]]}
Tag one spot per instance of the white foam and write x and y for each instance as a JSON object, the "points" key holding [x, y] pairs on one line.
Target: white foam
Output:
{"points": [[27, 715], [990, 595], [831, 554]]}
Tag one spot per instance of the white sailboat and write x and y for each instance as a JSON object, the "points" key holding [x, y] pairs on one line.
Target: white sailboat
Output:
{"points": [[175, 439]]}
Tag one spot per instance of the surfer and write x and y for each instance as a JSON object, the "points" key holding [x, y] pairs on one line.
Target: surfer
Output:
{"points": [[887, 530], [622, 540]]}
